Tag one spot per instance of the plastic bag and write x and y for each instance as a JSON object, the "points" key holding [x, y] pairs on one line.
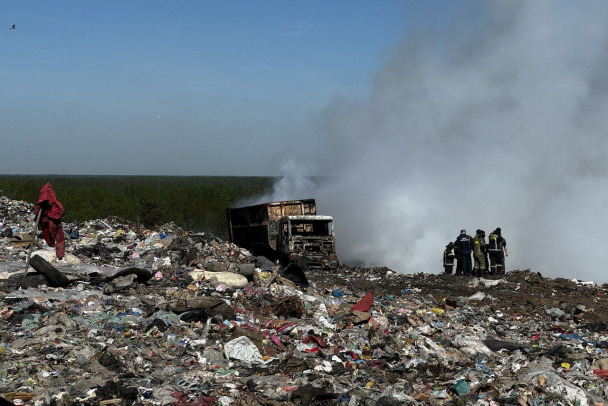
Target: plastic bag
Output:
{"points": [[243, 349]]}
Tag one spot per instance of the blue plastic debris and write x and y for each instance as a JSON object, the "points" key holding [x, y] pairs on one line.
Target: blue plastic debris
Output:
{"points": [[571, 337], [337, 293], [481, 366], [462, 388]]}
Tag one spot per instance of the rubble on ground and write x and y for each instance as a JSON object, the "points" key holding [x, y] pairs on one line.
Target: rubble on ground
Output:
{"points": [[171, 317]]}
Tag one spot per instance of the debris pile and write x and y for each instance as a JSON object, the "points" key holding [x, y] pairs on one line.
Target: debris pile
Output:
{"points": [[171, 317]]}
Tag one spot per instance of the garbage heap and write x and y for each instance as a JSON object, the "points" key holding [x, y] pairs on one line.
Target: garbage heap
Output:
{"points": [[171, 317]]}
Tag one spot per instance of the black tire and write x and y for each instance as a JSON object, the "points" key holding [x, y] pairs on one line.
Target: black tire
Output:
{"points": [[14, 282], [55, 278], [143, 275]]}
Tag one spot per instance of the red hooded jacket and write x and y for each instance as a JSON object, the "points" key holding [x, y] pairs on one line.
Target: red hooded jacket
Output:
{"points": [[50, 219]]}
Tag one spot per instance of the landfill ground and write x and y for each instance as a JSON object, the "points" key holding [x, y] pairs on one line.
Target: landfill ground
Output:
{"points": [[524, 291], [171, 317]]}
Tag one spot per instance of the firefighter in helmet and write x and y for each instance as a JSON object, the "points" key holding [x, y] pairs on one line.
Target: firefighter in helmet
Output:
{"points": [[448, 258], [479, 253], [497, 250]]}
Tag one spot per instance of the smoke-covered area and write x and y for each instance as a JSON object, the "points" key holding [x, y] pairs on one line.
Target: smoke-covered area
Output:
{"points": [[494, 124]]}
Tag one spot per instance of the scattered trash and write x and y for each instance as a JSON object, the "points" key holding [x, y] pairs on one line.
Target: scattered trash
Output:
{"points": [[169, 317]]}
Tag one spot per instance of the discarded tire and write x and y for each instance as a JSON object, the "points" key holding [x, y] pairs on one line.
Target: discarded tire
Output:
{"points": [[55, 278]]}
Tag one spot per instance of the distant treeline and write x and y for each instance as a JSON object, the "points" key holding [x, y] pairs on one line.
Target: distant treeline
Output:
{"points": [[194, 203]]}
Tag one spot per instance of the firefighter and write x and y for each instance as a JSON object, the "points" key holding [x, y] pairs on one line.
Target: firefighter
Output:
{"points": [[448, 258], [464, 247], [479, 253], [458, 261], [497, 250]]}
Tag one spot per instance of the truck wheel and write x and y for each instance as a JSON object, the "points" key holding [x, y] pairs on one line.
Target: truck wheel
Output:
{"points": [[284, 261]]}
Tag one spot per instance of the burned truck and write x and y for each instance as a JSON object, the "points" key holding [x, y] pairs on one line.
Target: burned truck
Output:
{"points": [[288, 231]]}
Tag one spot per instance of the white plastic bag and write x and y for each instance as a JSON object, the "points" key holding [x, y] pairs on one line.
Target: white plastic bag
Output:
{"points": [[243, 349]]}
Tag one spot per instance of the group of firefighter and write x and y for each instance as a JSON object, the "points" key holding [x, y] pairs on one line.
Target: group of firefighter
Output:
{"points": [[488, 257]]}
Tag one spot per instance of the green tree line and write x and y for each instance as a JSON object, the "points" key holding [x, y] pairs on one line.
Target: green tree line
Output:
{"points": [[195, 203]]}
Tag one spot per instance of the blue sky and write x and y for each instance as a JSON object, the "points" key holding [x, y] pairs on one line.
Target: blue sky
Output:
{"points": [[508, 93], [185, 87]]}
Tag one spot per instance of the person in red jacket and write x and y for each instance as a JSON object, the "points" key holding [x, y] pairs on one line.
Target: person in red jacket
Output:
{"points": [[50, 219]]}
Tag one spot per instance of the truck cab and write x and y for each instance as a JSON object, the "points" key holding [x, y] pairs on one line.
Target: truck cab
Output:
{"points": [[307, 241], [289, 231]]}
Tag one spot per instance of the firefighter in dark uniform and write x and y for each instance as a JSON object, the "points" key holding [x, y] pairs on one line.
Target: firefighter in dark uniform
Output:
{"points": [[448, 258], [464, 247], [479, 253], [458, 261], [497, 250]]}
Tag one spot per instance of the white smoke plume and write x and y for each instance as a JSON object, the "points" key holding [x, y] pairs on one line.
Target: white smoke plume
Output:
{"points": [[500, 124], [295, 179]]}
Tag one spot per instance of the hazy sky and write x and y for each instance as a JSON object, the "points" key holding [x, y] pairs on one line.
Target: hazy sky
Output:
{"points": [[184, 87], [425, 116]]}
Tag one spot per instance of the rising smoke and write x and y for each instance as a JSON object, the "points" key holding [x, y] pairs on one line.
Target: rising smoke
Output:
{"points": [[501, 124]]}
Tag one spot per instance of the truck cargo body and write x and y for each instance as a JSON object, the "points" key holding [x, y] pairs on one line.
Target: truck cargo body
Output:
{"points": [[289, 231]]}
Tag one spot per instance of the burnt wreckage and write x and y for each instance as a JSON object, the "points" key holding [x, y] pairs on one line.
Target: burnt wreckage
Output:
{"points": [[288, 231]]}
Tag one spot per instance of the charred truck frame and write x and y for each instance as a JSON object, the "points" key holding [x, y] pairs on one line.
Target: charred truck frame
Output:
{"points": [[290, 231]]}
